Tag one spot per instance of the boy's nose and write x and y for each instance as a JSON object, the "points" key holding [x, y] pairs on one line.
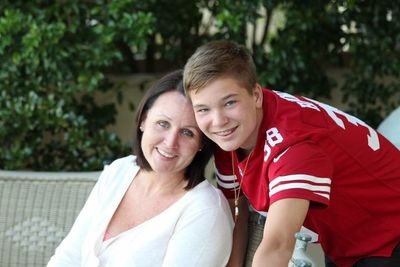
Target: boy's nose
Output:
{"points": [[219, 118]]}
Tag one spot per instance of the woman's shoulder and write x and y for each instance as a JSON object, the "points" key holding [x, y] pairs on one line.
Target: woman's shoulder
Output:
{"points": [[129, 160], [207, 195], [119, 168], [209, 201], [121, 164]]}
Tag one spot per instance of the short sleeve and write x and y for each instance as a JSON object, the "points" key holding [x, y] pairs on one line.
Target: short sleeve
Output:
{"points": [[226, 180], [304, 171]]}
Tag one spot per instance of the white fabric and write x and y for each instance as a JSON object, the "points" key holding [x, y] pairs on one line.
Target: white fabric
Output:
{"points": [[390, 127], [194, 231]]}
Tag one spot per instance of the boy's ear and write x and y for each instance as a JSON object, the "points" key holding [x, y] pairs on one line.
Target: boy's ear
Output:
{"points": [[258, 95]]}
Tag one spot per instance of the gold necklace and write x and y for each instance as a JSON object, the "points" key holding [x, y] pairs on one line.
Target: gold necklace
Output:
{"points": [[238, 189]]}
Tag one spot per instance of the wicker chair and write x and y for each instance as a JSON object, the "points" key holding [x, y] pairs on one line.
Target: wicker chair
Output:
{"points": [[256, 230], [37, 209]]}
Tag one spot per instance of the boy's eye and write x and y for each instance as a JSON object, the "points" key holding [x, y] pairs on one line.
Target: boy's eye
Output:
{"points": [[187, 132], [202, 110], [230, 103]]}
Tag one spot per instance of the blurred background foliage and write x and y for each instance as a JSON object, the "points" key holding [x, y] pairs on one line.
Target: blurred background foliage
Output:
{"points": [[55, 54]]}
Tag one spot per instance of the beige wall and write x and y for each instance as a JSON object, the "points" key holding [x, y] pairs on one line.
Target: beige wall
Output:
{"points": [[132, 94], [131, 88]]}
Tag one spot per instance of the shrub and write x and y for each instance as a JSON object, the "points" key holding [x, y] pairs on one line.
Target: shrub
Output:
{"points": [[52, 57], [295, 52], [55, 54]]}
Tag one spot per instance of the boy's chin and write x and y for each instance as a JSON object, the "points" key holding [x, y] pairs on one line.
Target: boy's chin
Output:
{"points": [[227, 146]]}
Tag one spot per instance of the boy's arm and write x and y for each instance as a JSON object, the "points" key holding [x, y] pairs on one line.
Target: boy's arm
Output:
{"points": [[285, 218], [239, 247]]}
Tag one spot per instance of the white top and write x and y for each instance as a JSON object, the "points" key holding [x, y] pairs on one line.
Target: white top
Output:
{"points": [[194, 231]]}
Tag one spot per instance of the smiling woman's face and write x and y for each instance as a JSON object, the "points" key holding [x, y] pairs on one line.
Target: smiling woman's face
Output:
{"points": [[171, 137]]}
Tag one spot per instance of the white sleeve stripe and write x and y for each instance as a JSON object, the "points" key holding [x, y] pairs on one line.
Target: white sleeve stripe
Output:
{"points": [[225, 178], [300, 177], [227, 185], [323, 195], [305, 186]]}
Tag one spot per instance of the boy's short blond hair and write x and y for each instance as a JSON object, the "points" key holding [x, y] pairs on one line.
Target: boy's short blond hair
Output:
{"points": [[218, 59]]}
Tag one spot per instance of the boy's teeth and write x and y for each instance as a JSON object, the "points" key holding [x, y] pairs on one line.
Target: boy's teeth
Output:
{"points": [[225, 132]]}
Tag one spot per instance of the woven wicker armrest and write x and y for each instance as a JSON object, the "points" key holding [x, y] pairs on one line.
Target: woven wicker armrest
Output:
{"points": [[37, 209], [312, 255]]}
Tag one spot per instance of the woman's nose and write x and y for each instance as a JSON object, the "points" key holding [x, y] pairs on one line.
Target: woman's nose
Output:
{"points": [[171, 139]]}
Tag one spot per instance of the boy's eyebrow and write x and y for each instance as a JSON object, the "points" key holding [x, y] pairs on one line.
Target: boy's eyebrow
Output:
{"points": [[222, 100], [199, 106], [228, 96]]}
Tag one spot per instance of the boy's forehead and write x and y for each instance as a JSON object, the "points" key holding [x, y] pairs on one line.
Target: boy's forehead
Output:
{"points": [[224, 83], [217, 91]]}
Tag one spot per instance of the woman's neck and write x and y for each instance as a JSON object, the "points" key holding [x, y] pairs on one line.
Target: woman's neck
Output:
{"points": [[151, 182]]}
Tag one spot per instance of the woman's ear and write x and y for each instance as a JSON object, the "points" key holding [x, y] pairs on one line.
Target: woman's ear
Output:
{"points": [[141, 126], [201, 145]]}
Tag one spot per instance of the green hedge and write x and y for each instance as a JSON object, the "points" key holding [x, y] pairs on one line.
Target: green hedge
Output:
{"points": [[52, 56], [55, 54], [295, 44]]}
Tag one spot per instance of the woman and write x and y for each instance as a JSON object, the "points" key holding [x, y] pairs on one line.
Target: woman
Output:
{"points": [[155, 208]]}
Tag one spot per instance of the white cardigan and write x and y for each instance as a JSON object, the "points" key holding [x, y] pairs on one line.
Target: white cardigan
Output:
{"points": [[194, 231]]}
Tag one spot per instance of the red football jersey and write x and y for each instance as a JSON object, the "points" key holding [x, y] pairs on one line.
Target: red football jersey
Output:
{"points": [[348, 171]]}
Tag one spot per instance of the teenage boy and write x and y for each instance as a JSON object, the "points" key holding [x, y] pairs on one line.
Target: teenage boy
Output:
{"points": [[302, 161]]}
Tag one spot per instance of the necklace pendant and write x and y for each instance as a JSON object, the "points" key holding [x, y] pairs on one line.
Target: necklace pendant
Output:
{"points": [[236, 212], [237, 190]]}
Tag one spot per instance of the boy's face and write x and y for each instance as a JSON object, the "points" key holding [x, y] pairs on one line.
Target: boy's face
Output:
{"points": [[228, 114]]}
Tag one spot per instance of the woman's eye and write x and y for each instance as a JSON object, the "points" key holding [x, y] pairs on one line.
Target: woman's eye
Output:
{"points": [[187, 132], [163, 124]]}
